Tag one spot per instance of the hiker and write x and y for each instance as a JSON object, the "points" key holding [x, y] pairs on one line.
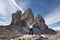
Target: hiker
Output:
{"points": [[31, 29]]}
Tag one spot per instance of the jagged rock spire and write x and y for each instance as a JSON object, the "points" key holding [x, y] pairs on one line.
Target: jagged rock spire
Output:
{"points": [[16, 18], [28, 17]]}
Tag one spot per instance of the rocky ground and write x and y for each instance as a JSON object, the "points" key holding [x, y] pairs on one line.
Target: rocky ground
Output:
{"points": [[34, 37], [31, 37], [39, 37]]}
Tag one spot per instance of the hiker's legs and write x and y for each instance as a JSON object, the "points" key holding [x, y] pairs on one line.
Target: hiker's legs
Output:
{"points": [[31, 31]]}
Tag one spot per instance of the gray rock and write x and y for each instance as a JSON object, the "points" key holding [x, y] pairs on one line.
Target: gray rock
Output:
{"points": [[28, 17], [16, 18]]}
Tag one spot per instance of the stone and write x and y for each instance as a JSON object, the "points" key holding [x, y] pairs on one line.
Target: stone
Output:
{"points": [[41, 26], [16, 18], [28, 17], [31, 37], [40, 22]]}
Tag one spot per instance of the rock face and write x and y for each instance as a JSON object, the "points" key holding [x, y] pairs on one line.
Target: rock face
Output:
{"points": [[16, 18], [28, 17], [40, 22]]}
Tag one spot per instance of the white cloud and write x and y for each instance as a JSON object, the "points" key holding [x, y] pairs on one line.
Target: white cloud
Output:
{"points": [[53, 17], [3, 17], [7, 7], [13, 1], [10, 6], [2, 8], [56, 28], [4, 23]]}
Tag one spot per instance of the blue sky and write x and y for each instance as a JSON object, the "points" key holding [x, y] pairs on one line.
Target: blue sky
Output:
{"points": [[49, 9]]}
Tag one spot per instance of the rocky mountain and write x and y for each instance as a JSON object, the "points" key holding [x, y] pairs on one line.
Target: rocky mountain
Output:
{"points": [[39, 37], [16, 18], [40, 22], [20, 24], [28, 17]]}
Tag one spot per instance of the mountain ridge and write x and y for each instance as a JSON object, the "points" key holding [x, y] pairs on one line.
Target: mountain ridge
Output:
{"points": [[20, 24]]}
